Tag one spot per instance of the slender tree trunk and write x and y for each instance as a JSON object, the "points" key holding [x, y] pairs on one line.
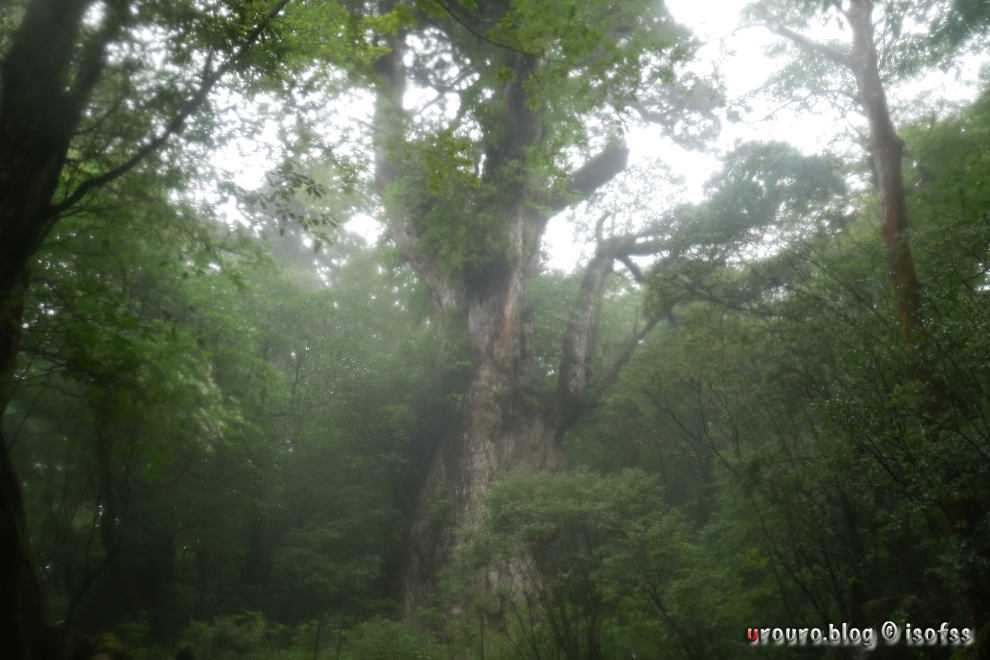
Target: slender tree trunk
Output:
{"points": [[886, 151]]}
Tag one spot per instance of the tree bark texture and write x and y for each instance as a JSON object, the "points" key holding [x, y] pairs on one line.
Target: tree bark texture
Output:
{"points": [[503, 423], [886, 151]]}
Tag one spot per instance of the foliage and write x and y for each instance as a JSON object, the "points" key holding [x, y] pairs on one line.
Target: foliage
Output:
{"points": [[230, 638], [596, 563], [221, 438], [389, 640], [766, 202], [578, 67], [217, 462], [787, 423]]}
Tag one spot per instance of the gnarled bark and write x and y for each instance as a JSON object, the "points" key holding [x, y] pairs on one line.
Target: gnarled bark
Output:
{"points": [[502, 423]]}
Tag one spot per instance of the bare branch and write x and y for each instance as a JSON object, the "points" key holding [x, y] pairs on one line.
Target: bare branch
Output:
{"points": [[651, 116], [810, 45], [579, 338], [612, 374], [594, 396], [600, 227]]}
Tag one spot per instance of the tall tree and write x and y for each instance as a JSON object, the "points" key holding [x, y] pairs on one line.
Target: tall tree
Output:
{"points": [[468, 194], [79, 108], [889, 42], [873, 68]]}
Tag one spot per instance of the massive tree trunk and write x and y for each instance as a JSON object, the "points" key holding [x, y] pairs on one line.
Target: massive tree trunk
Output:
{"points": [[24, 617], [498, 427], [504, 421]]}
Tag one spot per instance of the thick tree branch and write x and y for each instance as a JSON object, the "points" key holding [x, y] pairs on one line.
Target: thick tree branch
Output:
{"points": [[93, 56], [580, 338], [390, 83], [446, 294], [592, 175], [634, 270]]}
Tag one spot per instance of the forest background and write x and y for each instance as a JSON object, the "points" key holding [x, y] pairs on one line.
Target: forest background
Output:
{"points": [[233, 426]]}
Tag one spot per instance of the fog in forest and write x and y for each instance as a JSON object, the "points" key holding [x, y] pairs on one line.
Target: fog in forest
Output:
{"points": [[494, 329]]}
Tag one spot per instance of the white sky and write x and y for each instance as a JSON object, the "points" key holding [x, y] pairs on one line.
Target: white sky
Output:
{"points": [[738, 54]]}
